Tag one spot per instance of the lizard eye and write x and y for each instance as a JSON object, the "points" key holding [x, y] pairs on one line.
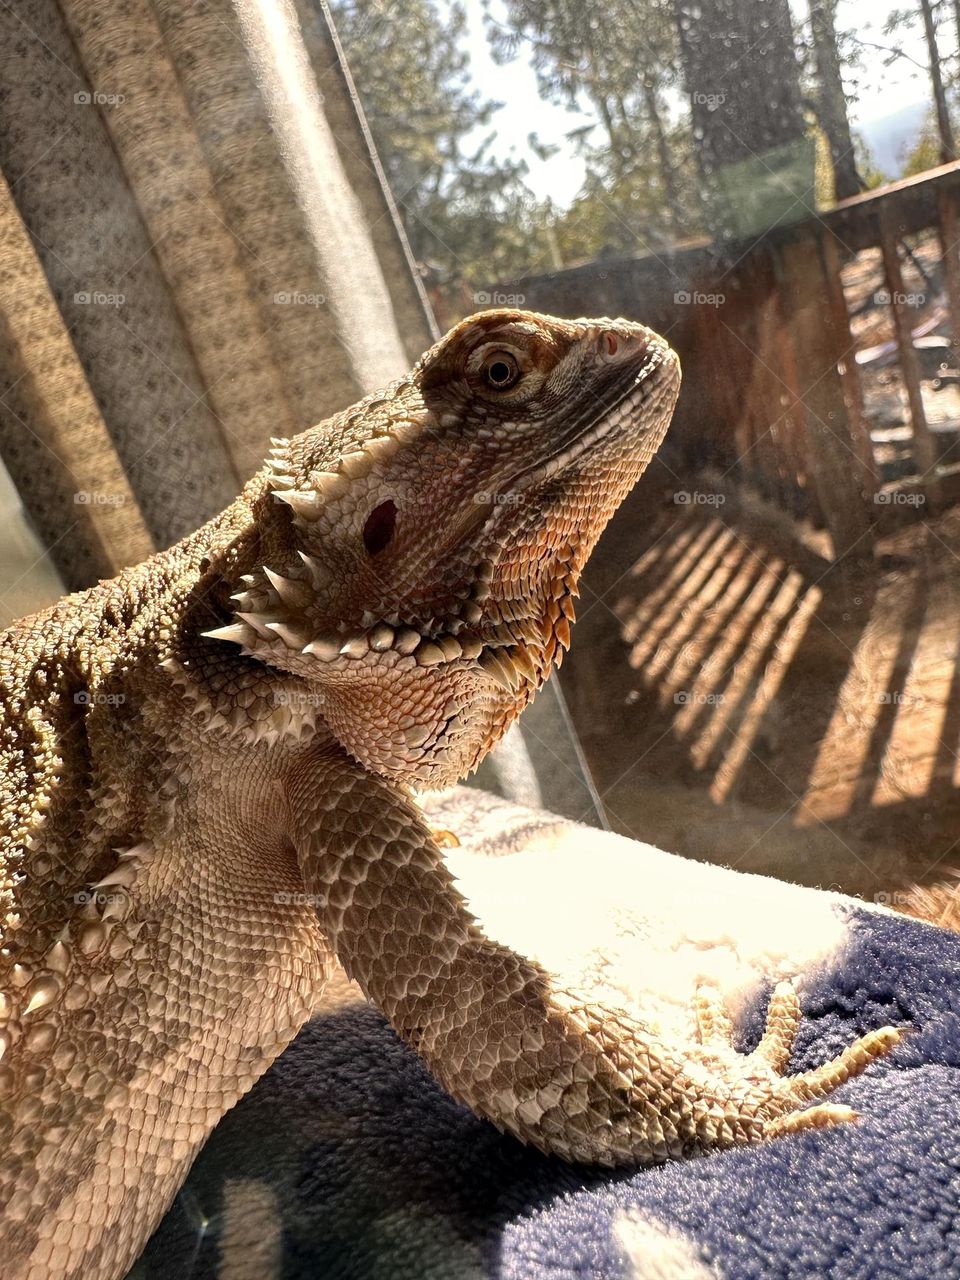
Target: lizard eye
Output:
{"points": [[380, 526], [500, 371]]}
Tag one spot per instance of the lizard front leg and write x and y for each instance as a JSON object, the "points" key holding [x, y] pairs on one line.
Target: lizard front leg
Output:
{"points": [[572, 1077]]}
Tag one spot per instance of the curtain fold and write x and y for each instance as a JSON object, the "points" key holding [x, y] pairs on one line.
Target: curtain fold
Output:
{"points": [[53, 438], [201, 260]]}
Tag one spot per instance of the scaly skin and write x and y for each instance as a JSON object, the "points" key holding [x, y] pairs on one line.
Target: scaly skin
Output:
{"points": [[207, 763]]}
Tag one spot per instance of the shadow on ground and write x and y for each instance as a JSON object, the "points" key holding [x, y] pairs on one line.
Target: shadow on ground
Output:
{"points": [[743, 700]]}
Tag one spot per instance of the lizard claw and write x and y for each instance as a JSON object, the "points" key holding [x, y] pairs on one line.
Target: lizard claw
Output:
{"points": [[766, 1092], [783, 1022], [444, 839], [822, 1117], [713, 1022]]}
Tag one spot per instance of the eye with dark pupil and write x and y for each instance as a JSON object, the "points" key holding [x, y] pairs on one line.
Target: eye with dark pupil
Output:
{"points": [[501, 372], [380, 526]]}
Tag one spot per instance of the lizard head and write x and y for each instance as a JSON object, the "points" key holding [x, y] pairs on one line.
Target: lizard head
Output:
{"points": [[422, 549]]}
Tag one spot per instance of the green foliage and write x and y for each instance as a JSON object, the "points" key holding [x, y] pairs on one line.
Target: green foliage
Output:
{"points": [[925, 152], [626, 213], [469, 216], [616, 65], [468, 212], [867, 167]]}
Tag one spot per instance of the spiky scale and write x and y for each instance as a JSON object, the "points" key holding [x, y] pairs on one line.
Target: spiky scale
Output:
{"points": [[233, 633], [325, 648], [292, 592], [306, 505], [293, 637]]}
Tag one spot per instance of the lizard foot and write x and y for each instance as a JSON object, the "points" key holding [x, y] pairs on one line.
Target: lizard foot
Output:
{"points": [[762, 1070], [591, 1084]]}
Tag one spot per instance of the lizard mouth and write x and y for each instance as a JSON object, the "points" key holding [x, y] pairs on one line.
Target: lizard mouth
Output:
{"points": [[514, 651]]}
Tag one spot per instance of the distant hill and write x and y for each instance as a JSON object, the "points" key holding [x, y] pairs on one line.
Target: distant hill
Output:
{"points": [[888, 137]]}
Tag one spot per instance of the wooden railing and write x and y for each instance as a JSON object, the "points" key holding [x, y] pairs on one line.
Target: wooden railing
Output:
{"points": [[772, 389]]}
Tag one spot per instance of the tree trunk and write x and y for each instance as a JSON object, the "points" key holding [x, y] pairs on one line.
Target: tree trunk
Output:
{"points": [[743, 82], [831, 100], [602, 104], [742, 76], [948, 149], [668, 177]]}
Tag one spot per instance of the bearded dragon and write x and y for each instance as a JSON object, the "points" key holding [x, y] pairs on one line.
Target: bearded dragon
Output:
{"points": [[208, 764]]}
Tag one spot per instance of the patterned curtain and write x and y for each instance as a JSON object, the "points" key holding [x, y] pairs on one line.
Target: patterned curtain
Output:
{"points": [[197, 251]]}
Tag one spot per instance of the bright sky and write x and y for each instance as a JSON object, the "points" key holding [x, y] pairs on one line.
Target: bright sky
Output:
{"points": [[882, 91]]}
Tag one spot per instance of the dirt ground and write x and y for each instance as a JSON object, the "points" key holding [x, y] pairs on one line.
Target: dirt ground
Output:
{"points": [[743, 701]]}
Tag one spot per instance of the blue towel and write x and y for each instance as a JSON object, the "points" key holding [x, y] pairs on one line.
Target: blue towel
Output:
{"points": [[348, 1161]]}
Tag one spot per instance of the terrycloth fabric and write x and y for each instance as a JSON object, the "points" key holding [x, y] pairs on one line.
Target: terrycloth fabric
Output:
{"points": [[348, 1161]]}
